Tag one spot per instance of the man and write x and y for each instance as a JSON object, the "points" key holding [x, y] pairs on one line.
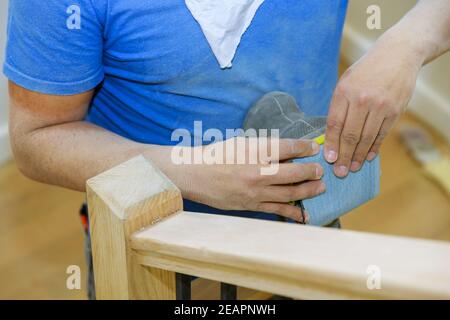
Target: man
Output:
{"points": [[94, 83], [85, 99]]}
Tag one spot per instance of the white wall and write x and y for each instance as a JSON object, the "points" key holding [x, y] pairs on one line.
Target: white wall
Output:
{"points": [[431, 100], [5, 152]]}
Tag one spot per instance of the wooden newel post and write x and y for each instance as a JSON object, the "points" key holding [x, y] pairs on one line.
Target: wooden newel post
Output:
{"points": [[121, 201]]}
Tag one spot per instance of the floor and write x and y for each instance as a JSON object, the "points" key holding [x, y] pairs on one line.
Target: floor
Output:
{"points": [[41, 235]]}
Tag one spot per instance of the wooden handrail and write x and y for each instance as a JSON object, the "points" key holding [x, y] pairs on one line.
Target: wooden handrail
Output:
{"points": [[296, 261], [286, 259]]}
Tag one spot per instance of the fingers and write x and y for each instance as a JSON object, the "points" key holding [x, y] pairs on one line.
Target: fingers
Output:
{"points": [[335, 124], [274, 198], [295, 148], [350, 136], [264, 150], [387, 125], [286, 194], [282, 209], [370, 132], [289, 173]]}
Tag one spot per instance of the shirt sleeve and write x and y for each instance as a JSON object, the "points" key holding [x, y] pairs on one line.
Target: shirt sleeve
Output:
{"points": [[54, 46]]}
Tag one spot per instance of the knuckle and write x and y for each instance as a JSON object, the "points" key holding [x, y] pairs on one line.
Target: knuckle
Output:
{"points": [[299, 174], [295, 172], [350, 138], [395, 112], [302, 172], [366, 139], [334, 124], [381, 103], [302, 146], [292, 146], [363, 99], [342, 87]]}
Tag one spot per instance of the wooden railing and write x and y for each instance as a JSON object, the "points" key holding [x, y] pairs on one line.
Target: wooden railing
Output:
{"points": [[141, 241]]}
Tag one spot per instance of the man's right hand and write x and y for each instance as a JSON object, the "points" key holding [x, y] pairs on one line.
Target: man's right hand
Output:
{"points": [[244, 187]]}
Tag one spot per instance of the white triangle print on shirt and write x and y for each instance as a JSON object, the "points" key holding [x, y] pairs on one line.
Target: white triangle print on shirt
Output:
{"points": [[223, 23]]}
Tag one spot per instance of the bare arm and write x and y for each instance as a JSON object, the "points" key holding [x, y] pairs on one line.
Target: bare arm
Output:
{"points": [[374, 92], [52, 144], [427, 28]]}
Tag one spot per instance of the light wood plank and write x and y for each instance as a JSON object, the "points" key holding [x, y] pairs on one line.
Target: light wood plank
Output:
{"points": [[294, 260]]}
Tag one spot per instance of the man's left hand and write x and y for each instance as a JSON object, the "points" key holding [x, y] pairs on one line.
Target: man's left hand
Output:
{"points": [[368, 100]]}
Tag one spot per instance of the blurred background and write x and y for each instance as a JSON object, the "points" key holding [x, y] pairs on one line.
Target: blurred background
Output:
{"points": [[41, 234]]}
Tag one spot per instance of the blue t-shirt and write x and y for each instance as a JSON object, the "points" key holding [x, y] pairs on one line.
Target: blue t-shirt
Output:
{"points": [[154, 70]]}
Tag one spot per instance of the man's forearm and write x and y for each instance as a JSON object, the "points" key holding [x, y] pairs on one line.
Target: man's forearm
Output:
{"points": [[425, 30], [69, 154]]}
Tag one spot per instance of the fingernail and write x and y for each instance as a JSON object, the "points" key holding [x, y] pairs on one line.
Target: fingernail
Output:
{"points": [[331, 156], [371, 156], [355, 166], [319, 171], [306, 217], [341, 171], [321, 188]]}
